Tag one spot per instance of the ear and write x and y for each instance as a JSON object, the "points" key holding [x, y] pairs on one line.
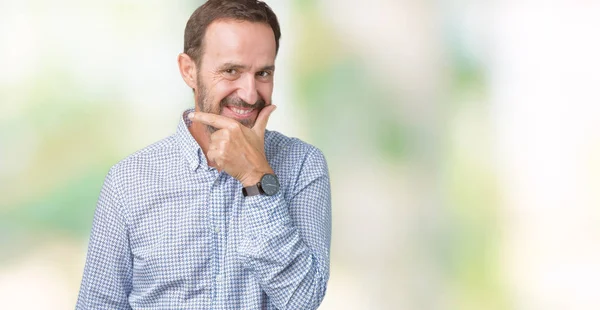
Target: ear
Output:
{"points": [[187, 68]]}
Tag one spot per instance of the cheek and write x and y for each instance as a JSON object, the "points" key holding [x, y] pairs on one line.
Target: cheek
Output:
{"points": [[221, 90], [265, 91]]}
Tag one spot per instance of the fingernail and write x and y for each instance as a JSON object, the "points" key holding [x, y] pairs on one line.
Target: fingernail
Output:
{"points": [[190, 115]]}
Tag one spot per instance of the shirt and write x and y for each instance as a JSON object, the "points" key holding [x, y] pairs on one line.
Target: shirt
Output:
{"points": [[170, 232]]}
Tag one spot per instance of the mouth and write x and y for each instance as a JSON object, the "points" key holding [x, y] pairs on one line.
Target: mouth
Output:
{"points": [[238, 113]]}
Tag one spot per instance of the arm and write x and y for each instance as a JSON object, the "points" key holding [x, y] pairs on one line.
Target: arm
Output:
{"points": [[107, 274], [286, 243]]}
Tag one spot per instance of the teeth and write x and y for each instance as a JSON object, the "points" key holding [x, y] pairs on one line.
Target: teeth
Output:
{"points": [[242, 112]]}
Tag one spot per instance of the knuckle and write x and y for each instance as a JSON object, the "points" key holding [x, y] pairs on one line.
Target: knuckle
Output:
{"points": [[235, 127]]}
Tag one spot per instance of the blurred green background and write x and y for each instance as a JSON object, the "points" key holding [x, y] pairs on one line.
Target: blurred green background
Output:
{"points": [[463, 140]]}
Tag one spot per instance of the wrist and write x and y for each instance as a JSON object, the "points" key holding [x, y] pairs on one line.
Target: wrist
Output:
{"points": [[254, 177]]}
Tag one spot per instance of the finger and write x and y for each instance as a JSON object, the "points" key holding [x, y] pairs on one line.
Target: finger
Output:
{"points": [[220, 135], [223, 145], [263, 117], [218, 145], [211, 119], [213, 158], [211, 154]]}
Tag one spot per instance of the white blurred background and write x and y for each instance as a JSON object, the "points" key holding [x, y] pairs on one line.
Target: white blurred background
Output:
{"points": [[463, 140]]}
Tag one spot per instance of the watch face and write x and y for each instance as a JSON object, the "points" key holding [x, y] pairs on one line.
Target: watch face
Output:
{"points": [[269, 184]]}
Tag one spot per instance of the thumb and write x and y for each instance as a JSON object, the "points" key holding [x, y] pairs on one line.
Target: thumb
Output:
{"points": [[261, 120]]}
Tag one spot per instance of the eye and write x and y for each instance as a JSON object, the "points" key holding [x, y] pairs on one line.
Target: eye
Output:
{"points": [[264, 74], [231, 73]]}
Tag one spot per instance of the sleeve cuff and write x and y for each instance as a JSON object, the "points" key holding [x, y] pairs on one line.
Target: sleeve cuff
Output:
{"points": [[263, 213]]}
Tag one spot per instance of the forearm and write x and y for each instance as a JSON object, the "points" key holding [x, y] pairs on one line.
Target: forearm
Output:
{"points": [[292, 271]]}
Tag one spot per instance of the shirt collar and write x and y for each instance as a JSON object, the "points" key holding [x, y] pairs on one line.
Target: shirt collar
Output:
{"points": [[190, 150]]}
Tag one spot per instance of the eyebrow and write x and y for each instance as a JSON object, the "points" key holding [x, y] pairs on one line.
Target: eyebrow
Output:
{"points": [[268, 68], [231, 65]]}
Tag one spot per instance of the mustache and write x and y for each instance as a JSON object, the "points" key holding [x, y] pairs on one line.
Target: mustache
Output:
{"points": [[238, 102]]}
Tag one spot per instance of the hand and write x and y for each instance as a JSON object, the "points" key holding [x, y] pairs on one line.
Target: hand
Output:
{"points": [[235, 148]]}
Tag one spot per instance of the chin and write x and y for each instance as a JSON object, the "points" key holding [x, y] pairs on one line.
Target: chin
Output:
{"points": [[246, 122]]}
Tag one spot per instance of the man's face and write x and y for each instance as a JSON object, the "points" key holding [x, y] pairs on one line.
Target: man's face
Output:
{"points": [[235, 78]]}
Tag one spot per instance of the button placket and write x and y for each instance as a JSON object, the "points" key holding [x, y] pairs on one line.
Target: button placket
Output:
{"points": [[217, 219]]}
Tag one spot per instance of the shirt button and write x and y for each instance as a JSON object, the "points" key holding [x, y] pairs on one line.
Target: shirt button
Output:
{"points": [[217, 230], [219, 278]]}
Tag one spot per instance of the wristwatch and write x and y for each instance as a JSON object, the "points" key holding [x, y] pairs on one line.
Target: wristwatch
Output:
{"points": [[268, 185]]}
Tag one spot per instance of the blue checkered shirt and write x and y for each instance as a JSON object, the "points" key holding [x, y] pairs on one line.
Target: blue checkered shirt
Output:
{"points": [[170, 232]]}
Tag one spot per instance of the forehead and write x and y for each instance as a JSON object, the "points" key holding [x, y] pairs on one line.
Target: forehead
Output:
{"points": [[248, 43]]}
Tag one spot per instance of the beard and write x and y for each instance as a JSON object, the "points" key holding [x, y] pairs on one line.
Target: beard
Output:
{"points": [[204, 105]]}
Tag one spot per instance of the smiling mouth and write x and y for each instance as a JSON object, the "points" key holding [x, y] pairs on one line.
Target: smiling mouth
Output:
{"points": [[241, 111]]}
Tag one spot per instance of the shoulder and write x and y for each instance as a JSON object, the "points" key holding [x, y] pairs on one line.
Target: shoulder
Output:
{"points": [[296, 163], [292, 157], [149, 160], [280, 146]]}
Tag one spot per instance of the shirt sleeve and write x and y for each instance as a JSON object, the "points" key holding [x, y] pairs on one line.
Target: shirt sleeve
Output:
{"points": [[107, 276], [286, 242]]}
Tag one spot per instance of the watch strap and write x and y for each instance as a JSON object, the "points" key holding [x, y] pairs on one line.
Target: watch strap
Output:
{"points": [[251, 190]]}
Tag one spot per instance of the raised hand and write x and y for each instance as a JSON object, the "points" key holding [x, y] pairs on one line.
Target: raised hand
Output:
{"points": [[235, 148]]}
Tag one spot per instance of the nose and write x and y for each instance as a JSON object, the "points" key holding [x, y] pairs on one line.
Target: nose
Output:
{"points": [[247, 89]]}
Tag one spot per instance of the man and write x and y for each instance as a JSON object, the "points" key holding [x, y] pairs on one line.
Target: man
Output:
{"points": [[223, 214]]}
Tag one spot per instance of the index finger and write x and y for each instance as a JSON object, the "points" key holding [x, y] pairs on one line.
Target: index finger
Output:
{"points": [[217, 121]]}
